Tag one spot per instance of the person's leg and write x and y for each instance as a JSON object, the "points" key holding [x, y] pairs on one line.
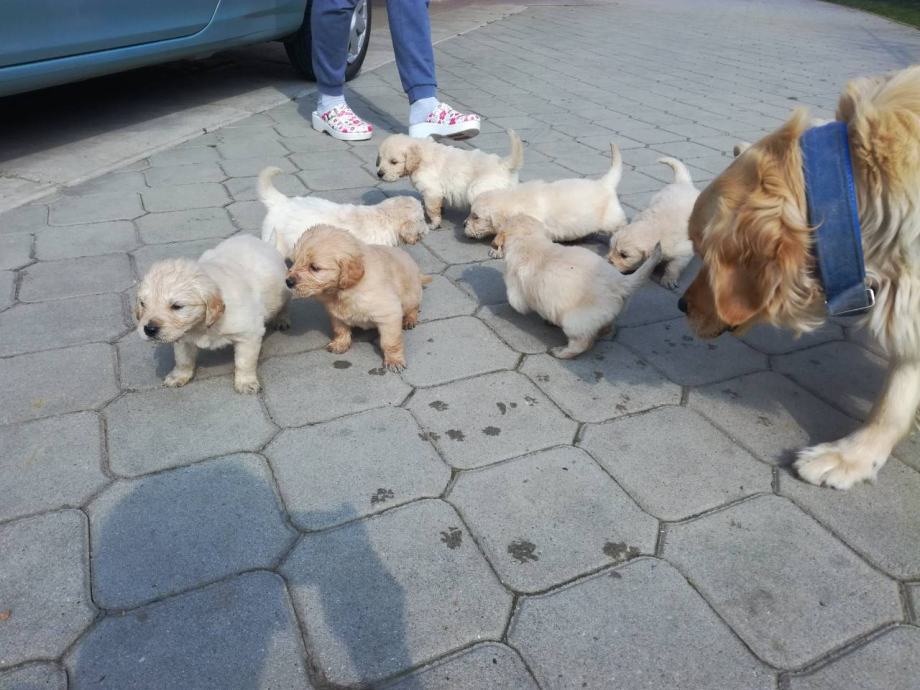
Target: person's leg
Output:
{"points": [[330, 23], [410, 28]]}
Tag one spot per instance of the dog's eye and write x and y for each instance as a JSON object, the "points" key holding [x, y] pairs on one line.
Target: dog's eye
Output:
{"points": [[288, 263], [393, 161], [175, 306], [624, 255], [140, 303], [314, 268]]}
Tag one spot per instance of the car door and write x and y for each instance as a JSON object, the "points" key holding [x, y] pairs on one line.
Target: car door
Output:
{"points": [[33, 30]]}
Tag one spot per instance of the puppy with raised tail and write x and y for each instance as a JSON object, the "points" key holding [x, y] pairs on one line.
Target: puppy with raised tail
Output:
{"points": [[359, 284], [447, 174], [225, 298], [395, 220], [663, 222], [570, 209], [571, 287]]}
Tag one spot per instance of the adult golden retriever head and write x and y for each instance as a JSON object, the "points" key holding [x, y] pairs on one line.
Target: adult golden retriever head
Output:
{"points": [[751, 230]]}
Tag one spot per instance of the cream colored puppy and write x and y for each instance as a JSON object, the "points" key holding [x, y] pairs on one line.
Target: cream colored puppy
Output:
{"points": [[400, 219], [571, 287], [664, 222], [225, 298], [447, 174], [361, 285], [570, 209]]}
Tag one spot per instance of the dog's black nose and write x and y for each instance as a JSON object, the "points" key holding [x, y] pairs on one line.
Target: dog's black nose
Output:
{"points": [[682, 305], [151, 330], [380, 174], [290, 282]]}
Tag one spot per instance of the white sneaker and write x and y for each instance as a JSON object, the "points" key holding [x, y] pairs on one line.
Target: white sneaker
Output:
{"points": [[444, 121], [340, 122]]}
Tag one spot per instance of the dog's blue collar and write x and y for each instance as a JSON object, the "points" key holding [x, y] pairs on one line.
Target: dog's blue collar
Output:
{"points": [[832, 211]]}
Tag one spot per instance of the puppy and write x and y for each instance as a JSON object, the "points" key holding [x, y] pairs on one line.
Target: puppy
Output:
{"points": [[750, 227], [363, 285], [664, 222], [400, 219], [571, 287], [570, 209], [225, 298], [446, 173]]}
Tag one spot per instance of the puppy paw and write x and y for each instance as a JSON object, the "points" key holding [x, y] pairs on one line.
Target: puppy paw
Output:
{"points": [[246, 385], [835, 465], [496, 253], [338, 346], [562, 352], [409, 322], [394, 364], [282, 322], [667, 281], [177, 378], [435, 223]]}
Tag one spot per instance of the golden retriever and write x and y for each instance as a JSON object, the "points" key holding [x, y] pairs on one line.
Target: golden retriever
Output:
{"points": [[400, 219], [359, 284], [663, 222], [750, 228], [448, 174], [570, 209], [225, 298], [571, 287]]}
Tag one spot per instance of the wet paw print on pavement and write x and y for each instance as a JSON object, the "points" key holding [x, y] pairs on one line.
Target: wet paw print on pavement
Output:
{"points": [[382, 496], [523, 551], [453, 537]]}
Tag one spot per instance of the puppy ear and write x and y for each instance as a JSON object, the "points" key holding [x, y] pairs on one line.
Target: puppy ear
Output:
{"points": [[137, 309], [351, 271], [740, 148], [214, 309], [413, 158]]}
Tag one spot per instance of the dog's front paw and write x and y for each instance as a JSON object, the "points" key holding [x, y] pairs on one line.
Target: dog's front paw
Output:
{"points": [[496, 253], [434, 223], [667, 281], [835, 465], [282, 322], [563, 352], [395, 364], [246, 384], [338, 346], [178, 377]]}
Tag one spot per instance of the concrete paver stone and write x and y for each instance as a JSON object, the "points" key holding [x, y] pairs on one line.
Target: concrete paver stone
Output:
{"points": [[482, 667]]}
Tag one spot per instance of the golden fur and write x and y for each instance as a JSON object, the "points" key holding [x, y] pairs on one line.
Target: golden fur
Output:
{"points": [[750, 228], [571, 287], [447, 174], [570, 209], [363, 285], [225, 298]]}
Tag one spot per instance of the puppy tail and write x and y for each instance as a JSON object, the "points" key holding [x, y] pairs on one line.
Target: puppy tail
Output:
{"points": [[635, 279], [277, 241], [612, 179], [425, 280], [268, 195], [681, 174], [515, 159]]}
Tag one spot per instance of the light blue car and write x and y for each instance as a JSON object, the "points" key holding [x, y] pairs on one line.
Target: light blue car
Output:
{"points": [[48, 42]]}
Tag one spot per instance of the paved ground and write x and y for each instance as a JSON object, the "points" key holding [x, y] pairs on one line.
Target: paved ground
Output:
{"points": [[492, 518]]}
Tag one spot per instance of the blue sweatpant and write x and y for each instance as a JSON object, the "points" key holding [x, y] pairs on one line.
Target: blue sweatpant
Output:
{"points": [[330, 22]]}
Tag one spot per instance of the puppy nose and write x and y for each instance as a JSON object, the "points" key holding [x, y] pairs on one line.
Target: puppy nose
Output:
{"points": [[380, 174], [290, 282], [151, 330], [682, 305]]}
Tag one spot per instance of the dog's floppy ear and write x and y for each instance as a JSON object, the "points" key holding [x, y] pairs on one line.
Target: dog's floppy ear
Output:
{"points": [[413, 158], [351, 271], [214, 309], [137, 308]]}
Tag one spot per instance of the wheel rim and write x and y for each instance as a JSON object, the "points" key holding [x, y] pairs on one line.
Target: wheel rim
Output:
{"points": [[357, 36]]}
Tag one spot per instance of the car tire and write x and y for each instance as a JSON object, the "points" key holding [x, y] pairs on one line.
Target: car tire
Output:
{"points": [[299, 47]]}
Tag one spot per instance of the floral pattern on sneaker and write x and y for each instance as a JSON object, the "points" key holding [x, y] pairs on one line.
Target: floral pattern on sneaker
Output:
{"points": [[343, 120], [445, 115]]}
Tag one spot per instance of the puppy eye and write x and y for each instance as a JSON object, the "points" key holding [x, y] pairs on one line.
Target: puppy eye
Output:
{"points": [[473, 216], [624, 255], [393, 161], [288, 263], [140, 303], [314, 268], [175, 306]]}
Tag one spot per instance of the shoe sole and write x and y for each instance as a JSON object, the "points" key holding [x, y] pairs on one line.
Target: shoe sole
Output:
{"points": [[428, 129], [320, 126]]}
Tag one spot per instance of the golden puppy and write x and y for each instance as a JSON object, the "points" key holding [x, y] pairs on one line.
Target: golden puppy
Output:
{"points": [[395, 220], [446, 173], [750, 228], [225, 298], [570, 209], [571, 287], [663, 222], [363, 285]]}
